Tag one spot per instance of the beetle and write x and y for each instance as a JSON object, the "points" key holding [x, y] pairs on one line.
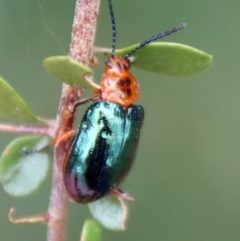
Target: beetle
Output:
{"points": [[104, 147]]}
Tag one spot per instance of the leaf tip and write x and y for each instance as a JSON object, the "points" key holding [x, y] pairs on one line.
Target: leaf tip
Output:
{"points": [[91, 231]]}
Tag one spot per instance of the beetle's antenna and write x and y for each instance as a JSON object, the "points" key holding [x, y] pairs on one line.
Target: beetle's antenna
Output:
{"points": [[155, 37], [113, 27]]}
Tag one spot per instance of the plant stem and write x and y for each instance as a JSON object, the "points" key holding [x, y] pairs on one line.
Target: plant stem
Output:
{"points": [[84, 27], [26, 129]]}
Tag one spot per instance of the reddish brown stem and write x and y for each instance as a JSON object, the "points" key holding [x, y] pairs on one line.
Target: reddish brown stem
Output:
{"points": [[41, 218], [26, 129], [84, 27]]}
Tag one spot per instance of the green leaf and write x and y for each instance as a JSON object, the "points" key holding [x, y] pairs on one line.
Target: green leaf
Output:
{"points": [[68, 71], [20, 173], [110, 212], [169, 58], [12, 106], [91, 231]]}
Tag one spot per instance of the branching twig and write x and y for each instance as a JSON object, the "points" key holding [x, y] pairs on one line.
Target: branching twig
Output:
{"points": [[26, 129], [41, 218]]}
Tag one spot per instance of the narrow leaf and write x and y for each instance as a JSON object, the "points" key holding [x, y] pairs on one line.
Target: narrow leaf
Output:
{"points": [[68, 71], [91, 231], [169, 58], [22, 173], [12, 106], [110, 211]]}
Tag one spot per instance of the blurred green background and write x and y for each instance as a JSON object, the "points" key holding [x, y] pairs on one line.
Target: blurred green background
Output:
{"points": [[186, 176]]}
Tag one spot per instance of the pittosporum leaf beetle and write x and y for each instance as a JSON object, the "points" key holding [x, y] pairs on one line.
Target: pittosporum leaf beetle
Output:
{"points": [[104, 147]]}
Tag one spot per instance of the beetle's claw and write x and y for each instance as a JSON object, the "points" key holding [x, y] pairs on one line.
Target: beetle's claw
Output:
{"points": [[121, 194]]}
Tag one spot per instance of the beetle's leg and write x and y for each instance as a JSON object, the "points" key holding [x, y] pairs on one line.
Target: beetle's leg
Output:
{"points": [[55, 142], [121, 194], [64, 137], [82, 102]]}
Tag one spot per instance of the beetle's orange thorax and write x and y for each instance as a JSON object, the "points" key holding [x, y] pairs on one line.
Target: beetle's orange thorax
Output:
{"points": [[118, 85]]}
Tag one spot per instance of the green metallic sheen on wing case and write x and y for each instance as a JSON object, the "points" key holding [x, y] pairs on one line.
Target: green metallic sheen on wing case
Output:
{"points": [[102, 151]]}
